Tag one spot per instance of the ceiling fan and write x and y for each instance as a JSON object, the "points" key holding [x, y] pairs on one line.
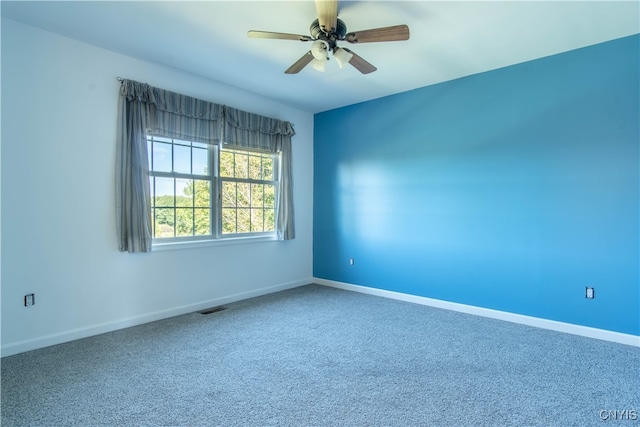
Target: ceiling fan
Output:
{"points": [[326, 32]]}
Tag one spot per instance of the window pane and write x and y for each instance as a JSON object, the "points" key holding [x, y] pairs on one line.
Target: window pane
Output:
{"points": [[164, 192], [267, 168], [257, 195], [228, 194], [181, 159], [242, 165], [256, 220], [202, 196], [229, 220], [244, 220], [270, 196], [244, 197], [269, 220], [202, 220], [164, 222], [200, 161], [161, 157], [255, 167], [184, 192], [184, 222], [226, 164]]}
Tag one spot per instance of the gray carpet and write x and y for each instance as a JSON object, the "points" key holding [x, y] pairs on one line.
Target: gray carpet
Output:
{"points": [[317, 356]]}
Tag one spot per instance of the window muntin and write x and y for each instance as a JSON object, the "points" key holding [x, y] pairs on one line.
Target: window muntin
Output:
{"points": [[184, 192]]}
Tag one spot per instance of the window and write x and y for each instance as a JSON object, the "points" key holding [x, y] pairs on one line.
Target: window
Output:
{"points": [[185, 175], [248, 199], [180, 184], [190, 203]]}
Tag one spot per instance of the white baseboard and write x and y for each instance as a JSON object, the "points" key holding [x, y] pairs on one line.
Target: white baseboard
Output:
{"points": [[88, 331], [585, 331]]}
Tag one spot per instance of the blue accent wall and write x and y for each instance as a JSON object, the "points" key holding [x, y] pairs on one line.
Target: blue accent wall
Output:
{"points": [[512, 189]]}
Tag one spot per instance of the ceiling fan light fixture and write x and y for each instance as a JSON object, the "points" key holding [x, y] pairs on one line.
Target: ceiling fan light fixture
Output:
{"points": [[319, 50], [326, 31], [342, 56], [319, 64]]}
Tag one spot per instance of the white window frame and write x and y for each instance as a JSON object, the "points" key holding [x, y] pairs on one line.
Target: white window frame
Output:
{"points": [[276, 177], [215, 208]]}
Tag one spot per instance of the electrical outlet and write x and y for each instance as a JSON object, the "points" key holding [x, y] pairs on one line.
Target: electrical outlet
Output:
{"points": [[589, 293], [29, 300], [351, 261]]}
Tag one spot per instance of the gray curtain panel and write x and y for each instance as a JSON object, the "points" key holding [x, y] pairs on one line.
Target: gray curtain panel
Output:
{"points": [[144, 110], [285, 226], [133, 197]]}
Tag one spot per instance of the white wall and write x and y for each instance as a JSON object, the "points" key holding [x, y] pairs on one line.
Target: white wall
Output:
{"points": [[59, 105]]}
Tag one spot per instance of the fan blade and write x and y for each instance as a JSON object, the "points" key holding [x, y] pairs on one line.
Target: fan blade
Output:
{"points": [[281, 36], [385, 34], [359, 63], [300, 63], [327, 14]]}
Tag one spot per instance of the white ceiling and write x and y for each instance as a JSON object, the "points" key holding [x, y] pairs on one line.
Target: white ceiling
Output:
{"points": [[449, 39]]}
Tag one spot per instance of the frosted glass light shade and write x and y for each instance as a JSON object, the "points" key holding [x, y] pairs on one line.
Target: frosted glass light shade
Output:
{"points": [[319, 49], [318, 64], [342, 56]]}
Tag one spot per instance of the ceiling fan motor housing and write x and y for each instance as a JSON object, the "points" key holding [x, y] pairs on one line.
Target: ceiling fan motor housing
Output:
{"points": [[332, 37]]}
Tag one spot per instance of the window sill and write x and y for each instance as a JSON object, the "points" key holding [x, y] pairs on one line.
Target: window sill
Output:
{"points": [[171, 246]]}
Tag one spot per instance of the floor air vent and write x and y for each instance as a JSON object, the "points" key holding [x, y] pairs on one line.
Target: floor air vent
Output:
{"points": [[212, 310]]}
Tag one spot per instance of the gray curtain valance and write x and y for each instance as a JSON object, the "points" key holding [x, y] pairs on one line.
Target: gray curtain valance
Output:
{"points": [[180, 116], [247, 130], [184, 117], [174, 115], [144, 109]]}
